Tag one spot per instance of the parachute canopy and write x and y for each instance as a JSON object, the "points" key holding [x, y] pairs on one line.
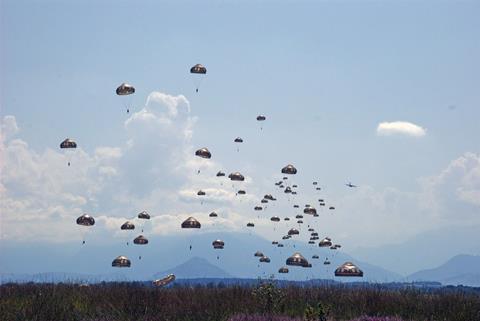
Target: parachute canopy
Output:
{"points": [[236, 177], [261, 117], [213, 214], [165, 281], [293, 231], [140, 240], [289, 169], [275, 219], [309, 210], [121, 261], [297, 259], [191, 223], [348, 269], [326, 242], [218, 244], [198, 69], [250, 224], [203, 153], [143, 215], [125, 89], [201, 193], [265, 259], [85, 220], [127, 226], [238, 140], [68, 143], [269, 197]]}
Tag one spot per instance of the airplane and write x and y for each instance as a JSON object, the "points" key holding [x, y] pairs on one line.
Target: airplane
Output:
{"points": [[351, 185]]}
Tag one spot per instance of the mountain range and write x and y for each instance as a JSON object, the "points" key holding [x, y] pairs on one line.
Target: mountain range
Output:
{"points": [[172, 254]]}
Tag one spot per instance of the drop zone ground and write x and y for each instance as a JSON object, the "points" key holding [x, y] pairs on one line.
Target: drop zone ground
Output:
{"points": [[259, 302]]}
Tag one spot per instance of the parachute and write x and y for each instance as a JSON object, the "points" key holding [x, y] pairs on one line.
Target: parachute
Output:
{"points": [[165, 281], [275, 219], [198, 71], [265, 259], [238, 140], [297, 259], [143, 215], [191, 223], [236, 177], [250, 225], [348, 269], [326, 242], [289, 169], [241, 192], [309, 210], [257, 208], [201, 193], [269, 197], [293, 231], [127, 226], [298, 216], [140, 240], [68, 144], [261, 118], [213, 214], [121, 261], [203, 153], [126, 90], [331, 208], [85, 220], [218, 244]]}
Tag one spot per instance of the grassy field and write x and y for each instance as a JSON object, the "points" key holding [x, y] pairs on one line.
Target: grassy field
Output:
{"points": [[130, 301]]}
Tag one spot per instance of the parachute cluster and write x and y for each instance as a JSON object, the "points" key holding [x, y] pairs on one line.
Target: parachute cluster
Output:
{"points": [[286, 228]]}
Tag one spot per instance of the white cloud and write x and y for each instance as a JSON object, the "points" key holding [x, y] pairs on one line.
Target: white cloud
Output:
{"points": [[150, 172], [400, 128]]}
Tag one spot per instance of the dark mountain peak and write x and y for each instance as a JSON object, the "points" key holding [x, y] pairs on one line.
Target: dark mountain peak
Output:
{"points": [[460, 269], [195, 267]]}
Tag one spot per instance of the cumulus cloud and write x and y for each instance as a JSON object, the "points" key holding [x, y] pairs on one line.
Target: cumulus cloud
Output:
{"points": [[154, 170], [455, 191], [400, 128]]}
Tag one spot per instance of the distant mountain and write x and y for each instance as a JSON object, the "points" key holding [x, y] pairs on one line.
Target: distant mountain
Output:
{"points": [[195, 268], [416, 253], [459, 270], [237, 259]]}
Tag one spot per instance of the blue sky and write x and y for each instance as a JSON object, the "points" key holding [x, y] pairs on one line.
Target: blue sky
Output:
{"points": [[325, 74]]}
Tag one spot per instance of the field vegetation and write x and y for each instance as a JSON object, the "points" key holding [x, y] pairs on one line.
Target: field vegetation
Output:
{"points": [[136, 301]]}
